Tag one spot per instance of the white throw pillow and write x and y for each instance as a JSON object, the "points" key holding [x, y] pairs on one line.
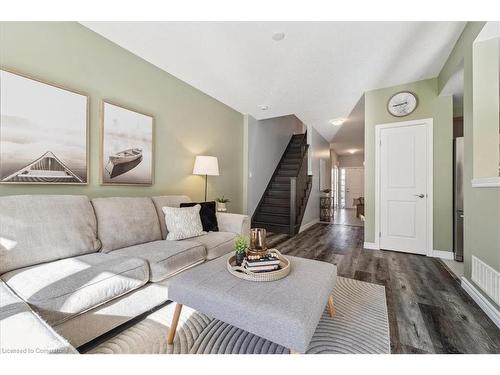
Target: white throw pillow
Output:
{"points": [[183, 222]]}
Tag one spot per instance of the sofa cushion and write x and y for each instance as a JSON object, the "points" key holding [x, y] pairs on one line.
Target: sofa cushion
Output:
{"points": [[23, 331], [216, 243], [167, 201], [125, 221], [42, 228], [64, 288], [166, 258]]}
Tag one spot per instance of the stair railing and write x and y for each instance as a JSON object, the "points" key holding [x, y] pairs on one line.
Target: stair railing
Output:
{"points": [[298, 188]]}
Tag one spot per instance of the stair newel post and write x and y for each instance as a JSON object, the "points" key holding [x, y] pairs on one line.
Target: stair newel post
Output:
{"points": [[293, 205]]}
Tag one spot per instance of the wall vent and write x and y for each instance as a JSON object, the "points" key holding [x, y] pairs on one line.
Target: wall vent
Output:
{"points": [[486, 278]]}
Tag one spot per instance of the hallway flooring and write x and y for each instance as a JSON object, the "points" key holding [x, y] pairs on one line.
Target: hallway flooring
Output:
{"points": [[347, 216], [428, 310]]}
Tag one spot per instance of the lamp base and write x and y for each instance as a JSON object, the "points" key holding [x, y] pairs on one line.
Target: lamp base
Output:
{"points": [[206, 180]]}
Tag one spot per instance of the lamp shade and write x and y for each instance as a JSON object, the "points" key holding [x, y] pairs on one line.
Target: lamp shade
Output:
{"points": [[206, 165]]}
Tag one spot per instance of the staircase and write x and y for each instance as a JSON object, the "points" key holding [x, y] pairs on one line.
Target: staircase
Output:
{"points": [[283, 203]]}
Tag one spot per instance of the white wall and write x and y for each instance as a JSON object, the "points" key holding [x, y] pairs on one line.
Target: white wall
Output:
{"points": [[351, 160], [267, 140], [334, 158], [319, 148]]}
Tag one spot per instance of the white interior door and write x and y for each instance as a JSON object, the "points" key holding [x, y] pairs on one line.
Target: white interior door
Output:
{"points": [[354, 185], [404, 171]]}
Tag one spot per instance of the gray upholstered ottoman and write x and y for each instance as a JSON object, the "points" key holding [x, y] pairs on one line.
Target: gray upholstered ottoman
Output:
{"points": [[286, 311]]}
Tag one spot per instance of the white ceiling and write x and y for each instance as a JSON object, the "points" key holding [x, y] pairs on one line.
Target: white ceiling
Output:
{"points": [[318, 72]]}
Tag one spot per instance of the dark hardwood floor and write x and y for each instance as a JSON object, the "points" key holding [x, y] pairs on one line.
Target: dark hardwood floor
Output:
{"points": [[428, 310]]}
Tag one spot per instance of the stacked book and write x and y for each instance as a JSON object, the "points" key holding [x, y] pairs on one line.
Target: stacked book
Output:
{"points": [[266, 263]]}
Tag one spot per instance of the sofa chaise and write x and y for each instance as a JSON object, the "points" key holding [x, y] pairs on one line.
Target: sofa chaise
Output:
{"points": [[87, 266]]}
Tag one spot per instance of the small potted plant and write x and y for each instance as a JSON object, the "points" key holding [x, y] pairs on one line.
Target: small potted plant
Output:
{"points": [[221, 203], [240, 248]]}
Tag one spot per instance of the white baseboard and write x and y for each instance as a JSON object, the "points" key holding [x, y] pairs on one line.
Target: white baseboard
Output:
{"points": [[303, 227], [485, 305], [370, 246], [442, 254]]}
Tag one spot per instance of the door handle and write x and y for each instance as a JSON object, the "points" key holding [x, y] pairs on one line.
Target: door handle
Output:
{"points": [[420, 195]]}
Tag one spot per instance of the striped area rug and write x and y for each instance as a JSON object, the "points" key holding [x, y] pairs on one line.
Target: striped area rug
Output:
{"points": [[359, 326]]}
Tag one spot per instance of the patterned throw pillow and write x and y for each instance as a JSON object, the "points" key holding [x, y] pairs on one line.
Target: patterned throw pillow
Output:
{"points": [[183, 222]]}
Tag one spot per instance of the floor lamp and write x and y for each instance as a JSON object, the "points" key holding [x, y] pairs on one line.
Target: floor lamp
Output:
{"points": [[206, 166]]}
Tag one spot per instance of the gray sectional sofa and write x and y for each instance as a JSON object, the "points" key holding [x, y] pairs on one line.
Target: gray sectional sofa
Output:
{"points": [[87, 266]]}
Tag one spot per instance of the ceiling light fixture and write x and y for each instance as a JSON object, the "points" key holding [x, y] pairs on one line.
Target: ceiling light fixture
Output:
{"points": [[337, 121], [278, 36], [263, 107]]}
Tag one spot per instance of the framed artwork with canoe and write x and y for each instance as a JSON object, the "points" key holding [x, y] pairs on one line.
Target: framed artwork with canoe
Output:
{"points": [[127, 146], [43, 132]]}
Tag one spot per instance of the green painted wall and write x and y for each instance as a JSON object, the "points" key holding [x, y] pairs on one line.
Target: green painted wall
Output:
{"points": [[485, 57], [430, 106], [188, 122], [481, 205]]}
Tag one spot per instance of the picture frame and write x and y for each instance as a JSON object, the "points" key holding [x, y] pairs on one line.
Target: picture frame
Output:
{"points": [[36, 145], [126, 152]]}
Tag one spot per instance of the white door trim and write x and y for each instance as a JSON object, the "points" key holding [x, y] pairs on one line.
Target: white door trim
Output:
{"points": [[428, 122]]}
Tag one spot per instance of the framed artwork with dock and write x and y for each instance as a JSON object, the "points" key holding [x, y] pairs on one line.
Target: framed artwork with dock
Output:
{"points": [[127, 146]]}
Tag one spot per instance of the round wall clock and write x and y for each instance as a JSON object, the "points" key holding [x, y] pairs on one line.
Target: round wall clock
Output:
{"points": [[402, 103]]}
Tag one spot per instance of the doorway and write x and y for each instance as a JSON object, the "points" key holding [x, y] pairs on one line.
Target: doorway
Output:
{"points": [[404, 170], [351, 189], [351, 186]]}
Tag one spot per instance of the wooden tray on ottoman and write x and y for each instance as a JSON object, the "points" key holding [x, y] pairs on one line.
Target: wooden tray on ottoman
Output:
{"points": [[245, 274]]}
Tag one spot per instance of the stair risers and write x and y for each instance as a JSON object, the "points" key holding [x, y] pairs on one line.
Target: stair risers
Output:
{"points": [[274, 209], [279, 186], [292, 167], [277, 201], [281, 180], [287, 173], [272, 219], [278, 194]]}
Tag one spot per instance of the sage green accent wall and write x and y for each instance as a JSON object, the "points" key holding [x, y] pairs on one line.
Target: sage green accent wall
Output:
{"points": [[430, 105], [187, 121], [481, 205], [485, 61]]}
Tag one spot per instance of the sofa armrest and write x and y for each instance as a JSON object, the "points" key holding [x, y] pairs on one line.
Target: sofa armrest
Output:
{"points": [[235, 223]]}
